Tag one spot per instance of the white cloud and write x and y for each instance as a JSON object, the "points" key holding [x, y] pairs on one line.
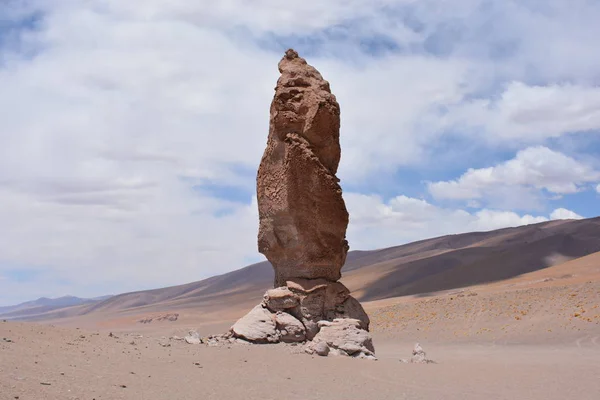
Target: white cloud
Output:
{"points": [[532, 169], [562, 213], [113, 110], [257, 15], [376, 223], [598, 188], [530, 114]]}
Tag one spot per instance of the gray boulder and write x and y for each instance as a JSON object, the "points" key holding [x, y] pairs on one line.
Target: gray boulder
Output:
{"points": [[280, 299], [346, 336], [257, 326], [290, 329]]}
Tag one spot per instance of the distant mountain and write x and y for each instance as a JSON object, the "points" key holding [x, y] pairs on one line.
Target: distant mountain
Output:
{"points": [[44, 305], [417, 268], [102, 298]]}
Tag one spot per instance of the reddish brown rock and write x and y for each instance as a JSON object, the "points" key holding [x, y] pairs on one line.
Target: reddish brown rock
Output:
{"points": [[303, 221], [303, 218]]}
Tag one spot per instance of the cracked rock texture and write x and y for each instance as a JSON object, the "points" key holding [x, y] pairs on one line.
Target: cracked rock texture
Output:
{"points": [[303, 221], [345, 336], [303, 218], [314, 310]]}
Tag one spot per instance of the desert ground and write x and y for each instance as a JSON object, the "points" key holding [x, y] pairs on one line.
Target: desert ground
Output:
{"points": [[534, 336], [46, 362]]}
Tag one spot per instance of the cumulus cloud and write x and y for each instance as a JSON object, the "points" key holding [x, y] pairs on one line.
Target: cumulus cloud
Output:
{"points": [[562, 213], [532, 169], [377, 223]]}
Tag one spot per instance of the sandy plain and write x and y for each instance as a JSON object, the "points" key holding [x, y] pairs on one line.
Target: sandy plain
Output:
{"points": [[536, 336]]}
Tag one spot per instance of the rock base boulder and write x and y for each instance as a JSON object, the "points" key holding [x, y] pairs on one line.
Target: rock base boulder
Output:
{"points": [[342, 337], [316, 311]]}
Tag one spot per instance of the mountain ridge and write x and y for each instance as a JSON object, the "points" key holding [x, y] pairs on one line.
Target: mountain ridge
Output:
{"points": [[425, 266]]}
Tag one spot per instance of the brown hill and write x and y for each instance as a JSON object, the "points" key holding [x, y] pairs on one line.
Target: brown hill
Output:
{"points": [[551, 306], [45, 305], [473, 258], [417, 268]]}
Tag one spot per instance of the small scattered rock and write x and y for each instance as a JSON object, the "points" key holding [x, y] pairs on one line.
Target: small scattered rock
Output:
{"points": [[418, 356], [322, 349], [165, 317], [193, 338], [45, 383]]}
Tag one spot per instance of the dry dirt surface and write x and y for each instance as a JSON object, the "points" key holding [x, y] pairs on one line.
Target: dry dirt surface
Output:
{"points": [[39, 362], [554, 306]]}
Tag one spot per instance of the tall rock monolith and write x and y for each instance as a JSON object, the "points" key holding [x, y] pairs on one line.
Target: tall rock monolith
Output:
{"points": [[303, 221], [303, 218]]}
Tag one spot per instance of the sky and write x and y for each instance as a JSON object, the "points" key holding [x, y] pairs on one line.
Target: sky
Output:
{"points": [[131, 131]]}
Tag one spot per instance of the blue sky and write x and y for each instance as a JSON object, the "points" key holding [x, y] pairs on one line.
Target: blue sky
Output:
{"points": [[131, 131]]}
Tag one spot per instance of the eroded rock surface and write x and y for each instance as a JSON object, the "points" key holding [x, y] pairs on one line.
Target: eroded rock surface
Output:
{"points": [[320, 300], [290, 329], [303, 218], [345, 335], [309, 309], [280, 299], [303, 221]]}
